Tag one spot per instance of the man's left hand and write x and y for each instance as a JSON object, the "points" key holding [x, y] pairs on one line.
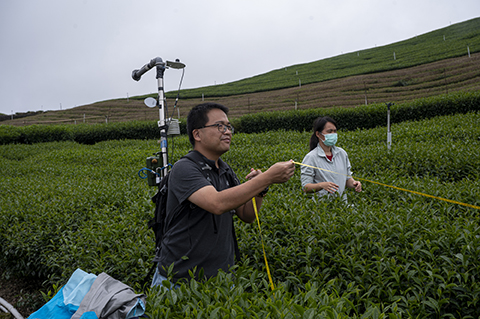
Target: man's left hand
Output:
{"points": [[253, 173]]}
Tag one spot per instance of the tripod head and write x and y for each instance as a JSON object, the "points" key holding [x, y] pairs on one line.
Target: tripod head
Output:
{"points": [[158, 62]]}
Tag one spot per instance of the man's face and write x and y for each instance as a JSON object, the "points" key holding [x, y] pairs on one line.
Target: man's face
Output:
{"points": [[211, 138]]}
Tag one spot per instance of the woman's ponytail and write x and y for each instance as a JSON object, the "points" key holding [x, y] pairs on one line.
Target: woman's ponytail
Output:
{"points": [[313, 141]]}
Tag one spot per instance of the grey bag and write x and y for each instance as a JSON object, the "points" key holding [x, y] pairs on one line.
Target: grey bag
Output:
{"points": [[112, 299]]}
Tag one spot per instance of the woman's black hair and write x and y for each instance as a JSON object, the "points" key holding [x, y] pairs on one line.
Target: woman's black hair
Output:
{"points": [[318, 126]]}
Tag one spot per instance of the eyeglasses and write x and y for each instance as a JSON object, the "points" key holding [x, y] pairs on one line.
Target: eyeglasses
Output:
{"points": [[222, 128]]}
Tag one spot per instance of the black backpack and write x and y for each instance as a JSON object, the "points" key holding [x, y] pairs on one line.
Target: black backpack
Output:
{"points": [[157, 223]]}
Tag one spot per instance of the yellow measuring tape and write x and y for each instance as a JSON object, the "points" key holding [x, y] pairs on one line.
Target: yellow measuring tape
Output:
{"points": [[402, 189], [263, 244]]}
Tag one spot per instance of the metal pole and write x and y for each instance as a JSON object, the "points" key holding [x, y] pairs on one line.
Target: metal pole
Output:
{"points": [[162, 123], [389, 133]]}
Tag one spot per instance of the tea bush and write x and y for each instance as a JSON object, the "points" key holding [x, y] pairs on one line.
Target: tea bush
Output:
{"points": [[361, 117], [66, 205], [81, 133]]}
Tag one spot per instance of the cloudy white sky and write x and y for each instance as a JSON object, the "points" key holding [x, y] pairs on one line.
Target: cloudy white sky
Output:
{"points": [[58, 54]]}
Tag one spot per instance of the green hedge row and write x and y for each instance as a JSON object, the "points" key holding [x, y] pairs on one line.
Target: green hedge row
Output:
{"points": [[361, 117], [82, 133]]}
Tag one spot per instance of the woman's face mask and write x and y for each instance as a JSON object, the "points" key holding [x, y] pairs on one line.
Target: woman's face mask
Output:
{"points": [[330, 139]]}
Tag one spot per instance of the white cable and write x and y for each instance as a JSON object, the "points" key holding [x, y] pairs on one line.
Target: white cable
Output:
{"points": [[10, 308]]}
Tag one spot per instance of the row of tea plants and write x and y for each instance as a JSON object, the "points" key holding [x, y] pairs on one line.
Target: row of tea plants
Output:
{"points": [[389, 252], [362, 117]]}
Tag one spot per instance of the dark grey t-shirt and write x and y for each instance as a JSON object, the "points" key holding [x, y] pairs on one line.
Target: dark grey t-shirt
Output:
{"points": [[196, 238]]}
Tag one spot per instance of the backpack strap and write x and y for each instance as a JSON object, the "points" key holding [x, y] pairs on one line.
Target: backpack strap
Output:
{"points": [[233, 181]]}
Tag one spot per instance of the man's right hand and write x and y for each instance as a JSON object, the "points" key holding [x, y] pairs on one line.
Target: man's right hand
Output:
{"points": [[281, 172]]}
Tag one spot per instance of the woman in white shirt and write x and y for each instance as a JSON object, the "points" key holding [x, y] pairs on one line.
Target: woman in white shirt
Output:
{"points": [[334, 173]]}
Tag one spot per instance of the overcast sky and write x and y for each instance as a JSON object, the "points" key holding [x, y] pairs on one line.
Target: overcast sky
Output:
{"points": [[58, 54]]}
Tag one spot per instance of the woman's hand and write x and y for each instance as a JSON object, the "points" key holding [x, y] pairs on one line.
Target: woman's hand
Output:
{"points": [[351, 183], [330, 187], [358, 186]]}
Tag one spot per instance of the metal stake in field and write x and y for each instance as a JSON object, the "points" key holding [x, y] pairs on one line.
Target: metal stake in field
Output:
{"points": [[389, 133], [136, 75]]}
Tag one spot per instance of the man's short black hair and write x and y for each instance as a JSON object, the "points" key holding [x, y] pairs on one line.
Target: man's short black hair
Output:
{"points": [[197, 117]]}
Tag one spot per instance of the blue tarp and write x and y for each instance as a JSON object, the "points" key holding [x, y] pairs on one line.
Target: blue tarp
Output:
{"points": [[66, 302], [87, 296]]}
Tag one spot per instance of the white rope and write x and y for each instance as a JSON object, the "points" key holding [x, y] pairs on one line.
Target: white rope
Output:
{"points": [[10, 308]]}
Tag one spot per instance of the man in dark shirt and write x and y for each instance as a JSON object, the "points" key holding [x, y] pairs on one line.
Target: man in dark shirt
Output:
{"points": [[201, 236]]}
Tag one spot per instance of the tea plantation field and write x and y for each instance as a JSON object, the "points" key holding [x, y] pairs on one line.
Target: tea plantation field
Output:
{"points": [[389, 253]]}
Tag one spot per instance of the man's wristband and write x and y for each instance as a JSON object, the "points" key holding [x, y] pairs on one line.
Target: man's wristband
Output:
{"points": [[263, 193]]}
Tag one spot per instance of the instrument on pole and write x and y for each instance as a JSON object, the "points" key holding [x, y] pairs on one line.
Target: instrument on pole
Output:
{"points": [[158, 164]]}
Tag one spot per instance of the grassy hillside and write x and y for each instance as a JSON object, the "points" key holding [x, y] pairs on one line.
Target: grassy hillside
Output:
{"points": [[430, 64], [437, 45]]}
